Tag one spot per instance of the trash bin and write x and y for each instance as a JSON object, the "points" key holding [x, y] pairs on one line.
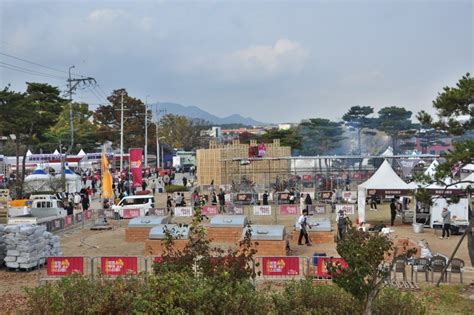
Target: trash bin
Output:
{"points": [[418, 227]]}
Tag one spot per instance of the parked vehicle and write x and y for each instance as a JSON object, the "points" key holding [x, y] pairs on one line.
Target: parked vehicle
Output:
{"points": [[141, 202], [42, 210]]}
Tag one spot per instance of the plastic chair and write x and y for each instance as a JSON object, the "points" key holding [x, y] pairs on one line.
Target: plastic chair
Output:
{"points": [[457, 266], [437, 264], [420, 265], [399, 266]]}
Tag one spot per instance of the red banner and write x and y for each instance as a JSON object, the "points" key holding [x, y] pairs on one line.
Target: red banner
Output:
{"points": [[63, 266], [158, 259], [130, 213], [322, 270], [281, 266], [210, 210], [136, 166], [88, 214], [118, 266], [68, 220], [307, 178], [289, 210]]}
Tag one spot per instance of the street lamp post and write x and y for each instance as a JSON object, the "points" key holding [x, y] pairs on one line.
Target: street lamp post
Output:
{"points": [[121, 133]]}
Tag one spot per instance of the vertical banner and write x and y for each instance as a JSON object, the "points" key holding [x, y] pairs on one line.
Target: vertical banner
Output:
{"points": [[107, 192], [281, 266], [63, 266], [118, 266], [289, 210], [136, 166], [210, 210]]}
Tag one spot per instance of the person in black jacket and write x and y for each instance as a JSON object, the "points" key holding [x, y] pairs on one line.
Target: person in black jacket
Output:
{"points": [[393, 211], [221, 197], [265, 198]]}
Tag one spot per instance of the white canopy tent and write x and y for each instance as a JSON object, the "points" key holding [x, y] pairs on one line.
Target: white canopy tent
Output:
{"points": [[73, 181], [39, 180], [384, 178], [431, 170]]}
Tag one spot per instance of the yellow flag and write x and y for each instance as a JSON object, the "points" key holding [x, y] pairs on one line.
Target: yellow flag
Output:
{"points": [[106, 178]]}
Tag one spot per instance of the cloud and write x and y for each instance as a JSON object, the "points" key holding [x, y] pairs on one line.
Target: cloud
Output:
{"points": [[362, 78], [105, 15], [257, 62]]}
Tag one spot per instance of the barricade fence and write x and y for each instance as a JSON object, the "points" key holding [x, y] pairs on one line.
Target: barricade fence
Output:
{"points": [[266, 267]]}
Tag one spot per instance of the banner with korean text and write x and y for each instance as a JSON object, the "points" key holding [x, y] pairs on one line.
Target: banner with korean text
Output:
{"points": [[64, 266], [183, 212], [118, 266], [262, 210], [136, 166], [281, 266], [210, 210], [289, 210], [130, 213], [348, 209]]}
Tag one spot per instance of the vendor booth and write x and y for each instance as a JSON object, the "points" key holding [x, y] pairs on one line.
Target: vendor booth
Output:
{"points": [[73, 181], [384, 183], [39, 180]]}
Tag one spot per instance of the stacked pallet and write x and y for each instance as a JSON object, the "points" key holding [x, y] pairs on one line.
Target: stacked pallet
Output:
{"points": [[28, 246]]}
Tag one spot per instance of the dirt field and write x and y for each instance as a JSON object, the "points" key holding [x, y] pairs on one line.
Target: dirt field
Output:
{"points": [[84, 242]]}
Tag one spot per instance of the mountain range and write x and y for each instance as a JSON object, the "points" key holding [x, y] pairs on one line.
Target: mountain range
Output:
{"points": [[196, 112]]}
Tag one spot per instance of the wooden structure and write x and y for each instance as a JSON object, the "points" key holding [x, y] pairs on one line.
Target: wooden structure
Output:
{"points": [[4, 206], [315, 237], [157, 247], [216, 164]]}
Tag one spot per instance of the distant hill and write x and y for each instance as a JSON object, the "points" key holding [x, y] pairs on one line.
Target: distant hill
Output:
{"points": [[196, 112]]}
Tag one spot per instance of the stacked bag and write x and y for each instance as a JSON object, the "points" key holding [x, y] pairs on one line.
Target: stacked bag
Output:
{"points": [[2, 245], [27, 246]]}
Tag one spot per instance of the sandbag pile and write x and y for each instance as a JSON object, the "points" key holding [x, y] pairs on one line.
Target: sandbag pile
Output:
{"points": [[27, 246], [2, 244]]}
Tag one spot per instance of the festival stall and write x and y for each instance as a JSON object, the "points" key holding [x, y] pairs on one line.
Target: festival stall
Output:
{"points": [[384, 183], [39, 180], [73, 181]]}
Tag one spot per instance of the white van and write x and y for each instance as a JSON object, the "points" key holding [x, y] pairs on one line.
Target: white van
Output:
{"points": [[140, 202]]}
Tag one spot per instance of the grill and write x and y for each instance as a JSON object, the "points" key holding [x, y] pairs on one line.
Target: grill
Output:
{"points": [[266, 232], [237, 221], [148, 221], [177, 231], [319, 224]]}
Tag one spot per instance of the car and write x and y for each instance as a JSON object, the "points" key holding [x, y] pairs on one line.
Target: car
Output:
{"points": [[186, 168]]}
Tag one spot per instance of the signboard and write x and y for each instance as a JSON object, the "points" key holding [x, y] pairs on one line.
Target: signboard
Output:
{"points": [[348, 209], [307, 178], [349, 195], [283, 196], [389, 192], [238, 210], [158, 211], [88, 214], [210, 210], [262, 150], [446, 192], [325, 195], [289, 209], [130, 213], [78, 217], [63, 266], [56, 225], [262, 210], [243, 197], [118, 266], [281, 266], [136, 166], [316, 209], [260, 196], [322, 271], [68, 220], [183, 212]]}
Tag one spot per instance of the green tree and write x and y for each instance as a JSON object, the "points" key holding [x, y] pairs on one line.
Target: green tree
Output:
{"points": [[181, 132], [394, 121], [289, 137], [358, 117], [364, 275], [246, 136], [85, 132], [107, 118], [319, 136]]}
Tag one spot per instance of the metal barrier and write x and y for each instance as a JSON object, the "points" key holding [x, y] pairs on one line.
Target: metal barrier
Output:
{"points": [[113, 266], [281, 267]]}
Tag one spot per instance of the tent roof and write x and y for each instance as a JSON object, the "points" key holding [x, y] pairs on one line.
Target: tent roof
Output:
{"points": [[388, 152], [386, 178], [469, 167], [56, 152], [431, 170], [81, 153]]}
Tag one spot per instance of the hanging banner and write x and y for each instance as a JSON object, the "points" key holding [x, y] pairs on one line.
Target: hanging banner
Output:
{"points": [[316, 209], [183, 212], [118, 266], [348, 209], [63, 266], [210, 210], [289, 210], [262, 210], [281, 266], [322, 270], [136, 166]]}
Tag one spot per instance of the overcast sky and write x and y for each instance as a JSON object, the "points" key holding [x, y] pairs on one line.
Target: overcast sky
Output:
{"points": [[275, 61]]}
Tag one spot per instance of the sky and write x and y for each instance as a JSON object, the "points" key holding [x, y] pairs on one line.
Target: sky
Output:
{"points": [[274, 61]]}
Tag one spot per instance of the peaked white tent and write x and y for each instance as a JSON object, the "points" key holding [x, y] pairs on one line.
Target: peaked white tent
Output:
{"points": [[81, 153], [73, 181], [28, 153], [384, 178], [388, 152], [56, 152], [431, 170]]}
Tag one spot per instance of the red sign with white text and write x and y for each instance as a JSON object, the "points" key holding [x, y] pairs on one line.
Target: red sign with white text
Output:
{"points": [[136, 166], [130, 213], [118, 266], [63, 266], [210, 210], [289, 210], [68, 220], [322, 270], [281, 266]]}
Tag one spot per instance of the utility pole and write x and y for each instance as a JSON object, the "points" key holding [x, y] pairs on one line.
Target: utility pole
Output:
{"points": [[121, 133], [158, 112], [146, 131]]}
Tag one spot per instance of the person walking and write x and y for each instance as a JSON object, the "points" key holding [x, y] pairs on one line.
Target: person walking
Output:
{"points": [[446, 215], [303, 225], [185, 181], [373, 202], [393, 211], [221, 197]]}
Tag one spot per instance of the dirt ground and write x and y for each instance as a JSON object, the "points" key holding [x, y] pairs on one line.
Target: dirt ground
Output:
{"points": [[84, 242]]}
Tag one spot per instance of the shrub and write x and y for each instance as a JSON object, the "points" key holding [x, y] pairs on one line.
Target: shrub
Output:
{"points": [[392, 301], [175, 188]]}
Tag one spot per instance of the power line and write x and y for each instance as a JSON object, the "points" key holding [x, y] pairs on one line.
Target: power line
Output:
{"points": [[28, 71], [36, 64]]}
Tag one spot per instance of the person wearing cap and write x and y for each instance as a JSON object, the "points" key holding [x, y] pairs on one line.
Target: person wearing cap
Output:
{"points": [[303, 225], [446, 215]]}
